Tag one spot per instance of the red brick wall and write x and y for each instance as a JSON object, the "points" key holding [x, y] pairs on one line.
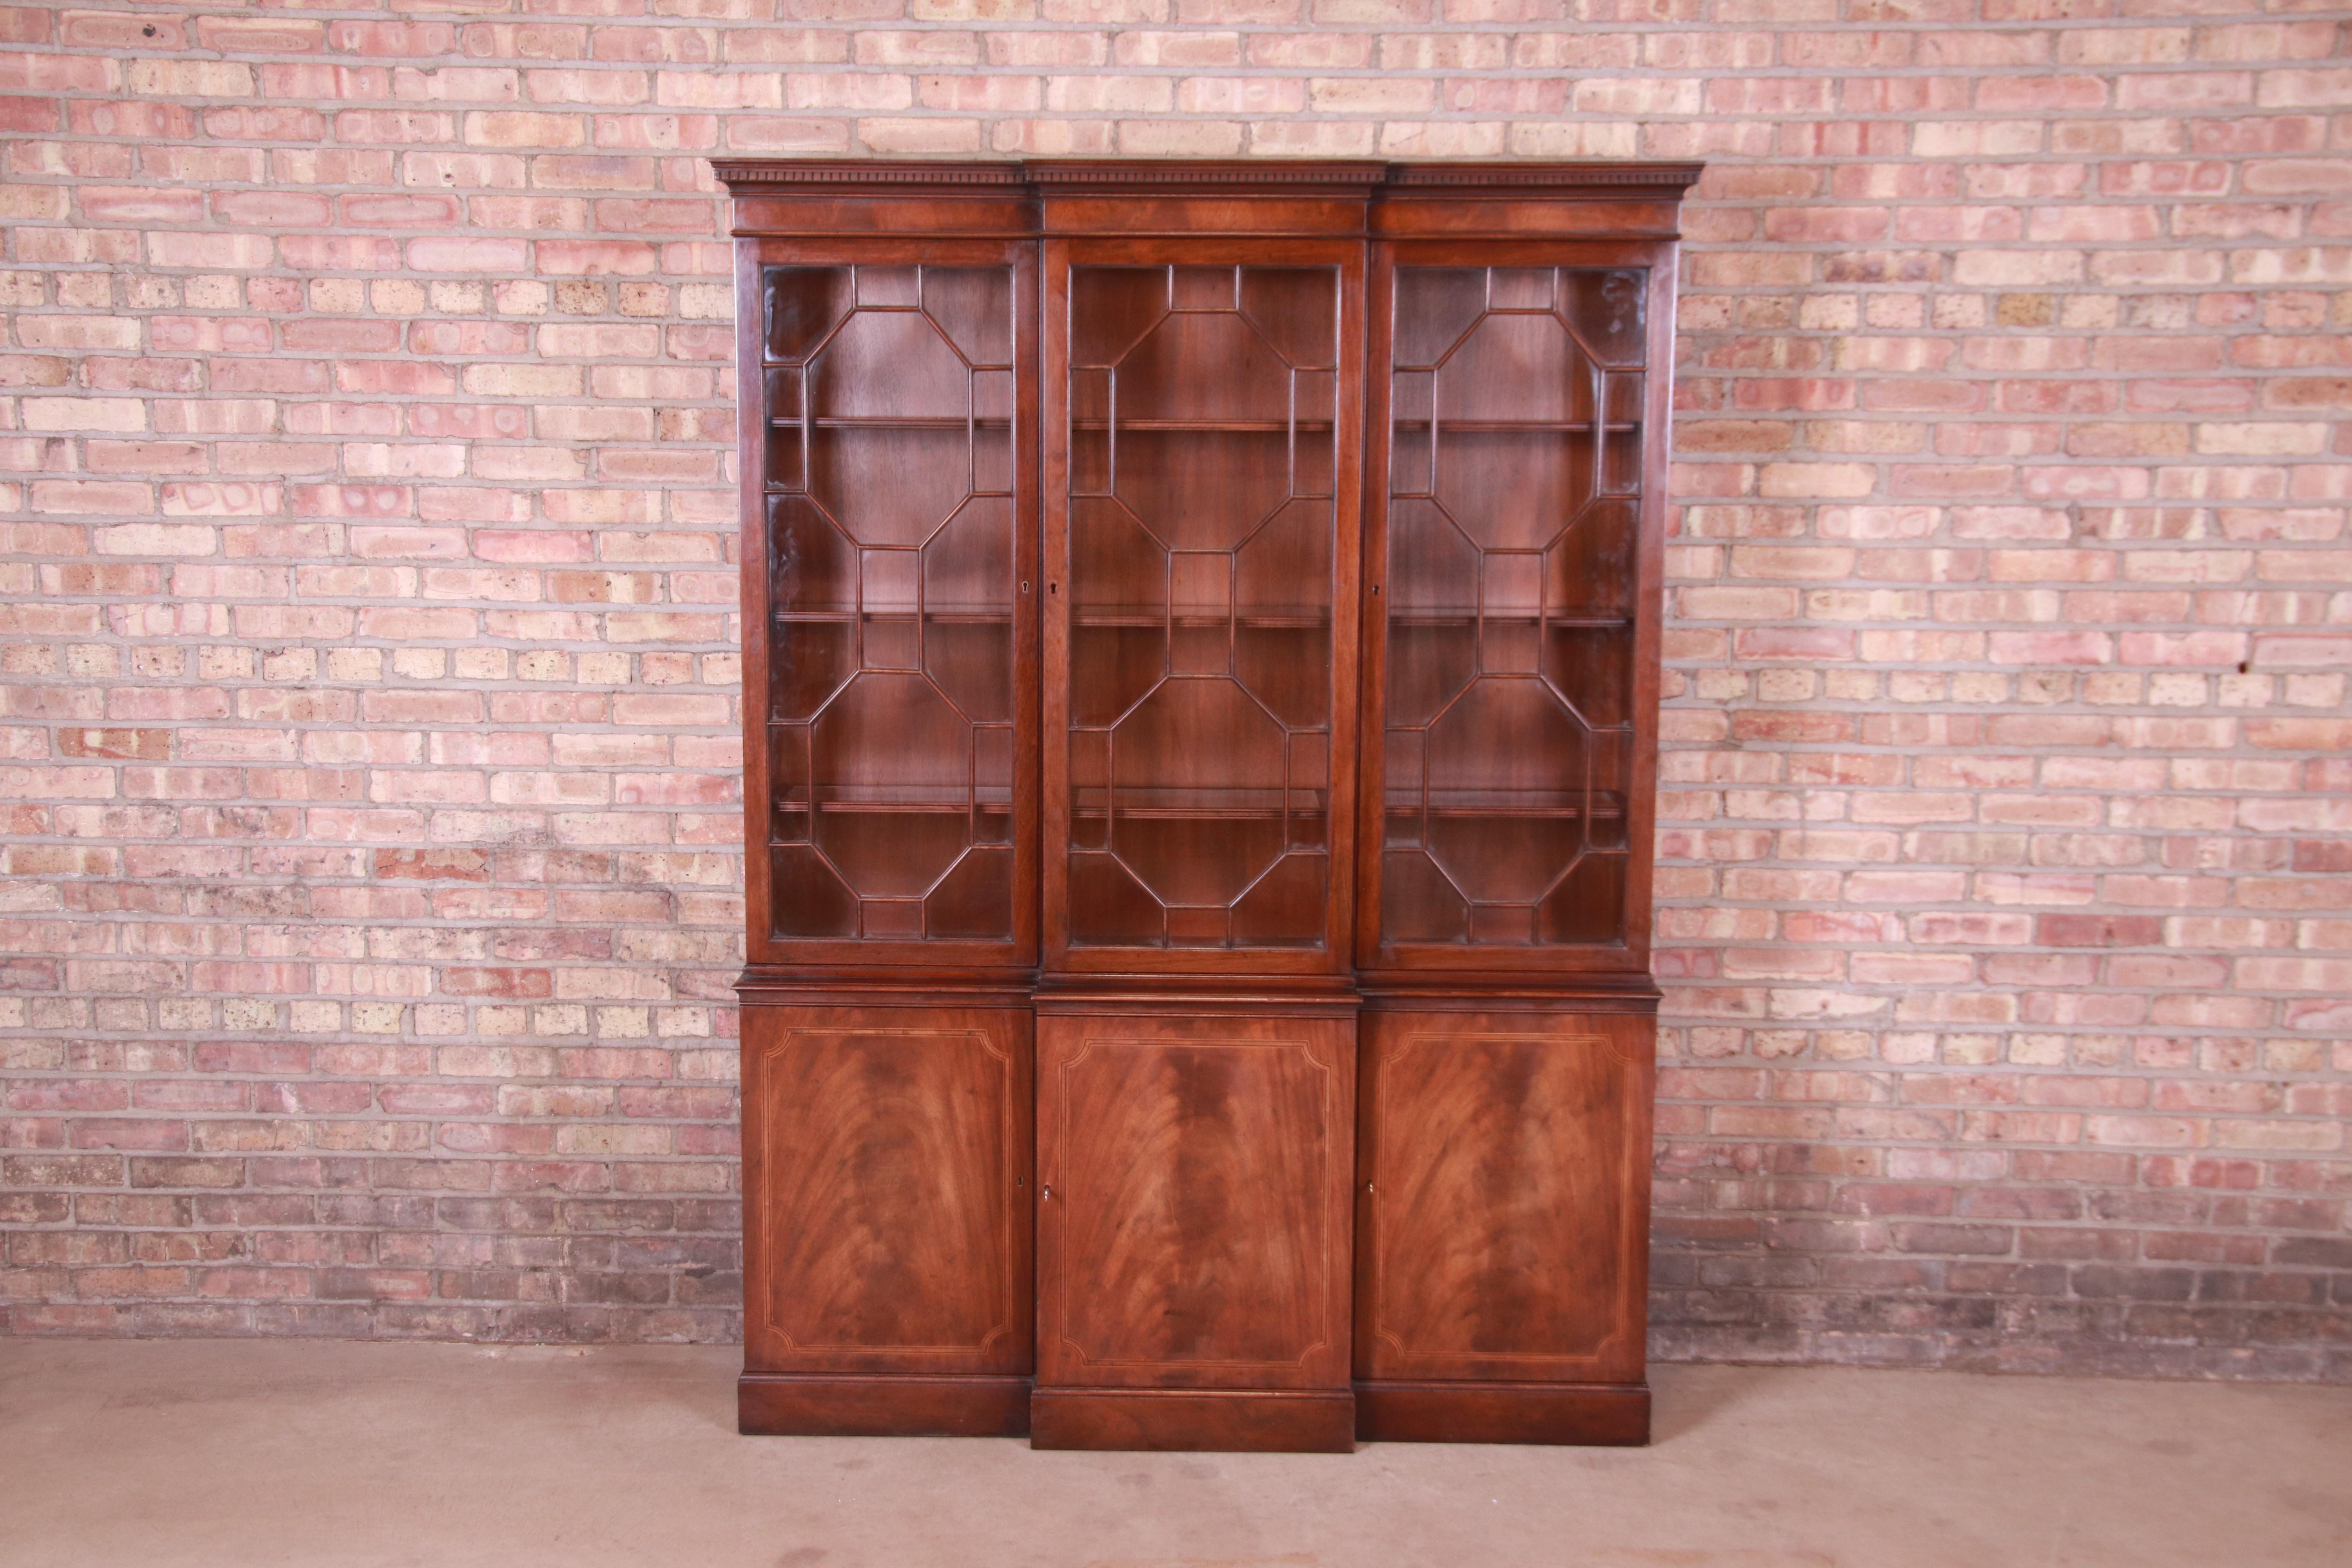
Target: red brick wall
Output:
{"points": [[369, 690]]}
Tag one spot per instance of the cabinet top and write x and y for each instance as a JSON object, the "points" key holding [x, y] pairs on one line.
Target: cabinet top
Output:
{"points": [[1223, 176], [779, 197]]}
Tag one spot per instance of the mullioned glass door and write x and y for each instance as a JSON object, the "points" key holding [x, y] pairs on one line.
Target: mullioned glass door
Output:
{"points": [[893, 494], [1518, 423], [1205, 679]]}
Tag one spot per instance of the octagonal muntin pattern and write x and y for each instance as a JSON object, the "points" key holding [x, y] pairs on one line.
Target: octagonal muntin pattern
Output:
{"points": [[1516, 403], [1202, 403], [890, 405]]}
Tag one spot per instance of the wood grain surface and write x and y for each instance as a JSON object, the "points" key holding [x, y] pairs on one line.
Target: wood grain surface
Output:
{"points": [[1192, 1230], [1502, 1166], [886, 1218]]}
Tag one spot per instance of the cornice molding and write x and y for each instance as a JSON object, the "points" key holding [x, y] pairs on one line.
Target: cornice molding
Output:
{"points": [[736, 173], [1540, 176], [1287, 176], [1228, 176]]}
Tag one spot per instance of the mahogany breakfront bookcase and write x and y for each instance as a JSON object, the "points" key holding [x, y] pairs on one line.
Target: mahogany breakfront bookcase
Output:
{"points": [[1201, 626]]}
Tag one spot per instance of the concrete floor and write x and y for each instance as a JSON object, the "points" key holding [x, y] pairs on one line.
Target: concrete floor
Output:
{"points": [[219, 1453]]}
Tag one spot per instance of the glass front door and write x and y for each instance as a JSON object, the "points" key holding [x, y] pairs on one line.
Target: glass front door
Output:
{"points": [[890, 505], [1516, 409], [1203, 536]]}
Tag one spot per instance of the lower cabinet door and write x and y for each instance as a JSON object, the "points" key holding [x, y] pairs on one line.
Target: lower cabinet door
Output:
{"points": [[1503, 1174], [886, 1188], [1192, 1228]]}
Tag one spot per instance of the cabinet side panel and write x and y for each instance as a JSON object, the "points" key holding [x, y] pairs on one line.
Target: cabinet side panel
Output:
{"points": [[1504, 1208], [751, 439], [885, 1186], [1193, 1226]]}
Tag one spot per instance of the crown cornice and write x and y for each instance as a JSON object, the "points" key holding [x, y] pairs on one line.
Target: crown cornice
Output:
{"points": [[1286, 177], [866, 174], [1612, 177], [1229, 176]]}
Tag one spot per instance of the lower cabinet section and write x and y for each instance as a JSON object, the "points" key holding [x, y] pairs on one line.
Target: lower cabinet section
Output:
{"points": [[1252, 1230]]}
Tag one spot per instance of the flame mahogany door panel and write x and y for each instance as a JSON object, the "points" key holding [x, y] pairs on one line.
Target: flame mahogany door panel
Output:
{"points": [[885, 1156], [1501, 1196], [1192, 1227]]}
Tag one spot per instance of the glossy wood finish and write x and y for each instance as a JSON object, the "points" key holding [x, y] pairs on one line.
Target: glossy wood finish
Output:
{"points": [[1597, 1415], [885, 1183], [900, 1404], [1161, 1420], [1194, 1210], [1178, 618], [1501, 1205]]}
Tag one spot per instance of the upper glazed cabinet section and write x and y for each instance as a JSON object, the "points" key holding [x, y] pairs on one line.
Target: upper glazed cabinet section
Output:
{"points": [[1207, 566]]}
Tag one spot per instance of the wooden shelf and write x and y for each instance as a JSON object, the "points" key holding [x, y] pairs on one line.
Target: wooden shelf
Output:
{"points": [[772, 487], [1505, 803], [1450, 615], [950, 615], [929, 799], [1184, 427], [944, 422], [1206, 805], [1272, 619], [771, 365], [1511, 426], [1196, 805]]}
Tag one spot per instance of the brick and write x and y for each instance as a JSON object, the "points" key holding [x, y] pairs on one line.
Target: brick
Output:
{"points": [[374, 683]]}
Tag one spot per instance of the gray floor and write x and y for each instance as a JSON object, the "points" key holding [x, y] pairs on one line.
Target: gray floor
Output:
{"points": [[235, 1453]]}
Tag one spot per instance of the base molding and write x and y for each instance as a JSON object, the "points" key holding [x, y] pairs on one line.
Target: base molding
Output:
{"points": [[1299, 1421], [770, 1404], [1599, 1414], [1234, 1421]]}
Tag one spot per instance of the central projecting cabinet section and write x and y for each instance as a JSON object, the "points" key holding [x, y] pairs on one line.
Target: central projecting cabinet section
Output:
{"points": [[1201, 641]]}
